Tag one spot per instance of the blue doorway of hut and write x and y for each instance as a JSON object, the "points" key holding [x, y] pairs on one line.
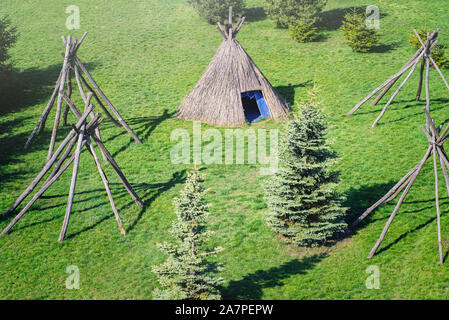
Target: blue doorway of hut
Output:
{"points": [[255, 106]]}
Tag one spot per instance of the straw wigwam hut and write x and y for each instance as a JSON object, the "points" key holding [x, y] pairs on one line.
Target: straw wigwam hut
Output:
{"points": [[232, 91]]}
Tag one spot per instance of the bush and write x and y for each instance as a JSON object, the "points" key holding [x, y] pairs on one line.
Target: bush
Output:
{"points": [[8, 36], [438, 52], [414, 40], [440, 57], [304, 206], [303, 30], [187, 274], [218, 10], [356, 33], [289, 12]]}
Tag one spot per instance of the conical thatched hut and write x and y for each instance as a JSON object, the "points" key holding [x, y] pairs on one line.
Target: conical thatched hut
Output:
{"points": [[232, 91]]}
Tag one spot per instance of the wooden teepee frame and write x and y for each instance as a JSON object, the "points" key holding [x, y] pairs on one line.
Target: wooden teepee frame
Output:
{"points": [[81, 135], [436, 139], [72, 64], [423, 55]]}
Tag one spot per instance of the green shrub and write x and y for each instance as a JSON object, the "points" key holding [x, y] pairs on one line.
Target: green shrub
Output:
{"points": [[356, 33], [8, 36], [438, 52], [187, 274], [218, 10], [440, 57], [303, 30], [414, 40], [289, 12]]}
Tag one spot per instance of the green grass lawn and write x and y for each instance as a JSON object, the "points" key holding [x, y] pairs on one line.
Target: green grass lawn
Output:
{"points": [[146, 56]]}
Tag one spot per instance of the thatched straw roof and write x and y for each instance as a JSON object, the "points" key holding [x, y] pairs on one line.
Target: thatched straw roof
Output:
{"points": [[216, 99]]}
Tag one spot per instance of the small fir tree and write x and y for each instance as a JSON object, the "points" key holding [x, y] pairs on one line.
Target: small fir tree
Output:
{"points": [[186, 274], [438, 52], [358, 36], [8, 36], [304, 30], [218, 10], [287, 12], [304, 206]]}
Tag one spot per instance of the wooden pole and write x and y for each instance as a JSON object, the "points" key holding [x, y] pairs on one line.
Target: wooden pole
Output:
{"points": [[48, 165], [384, 92], [385, 197], [396, 93], [221, 30], [125, 182], [427, 91], [396, 209], [421, 78], [72, 185], [41, 122], [69, 94], [58, 106], [37, 196], [440, 247], [398, 191], [443, 168], [80, 81], [106, 185], [392, 78], [77, 113], [238, 27], [439, 71], [95, 122], [64, 156], [113, 109]]}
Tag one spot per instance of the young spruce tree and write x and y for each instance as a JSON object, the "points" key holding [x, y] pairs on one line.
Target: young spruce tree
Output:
{"points": [[304, 206], [186, 274]]}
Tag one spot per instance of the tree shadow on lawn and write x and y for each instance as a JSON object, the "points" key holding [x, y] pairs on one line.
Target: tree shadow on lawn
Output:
{"points": [[288, 91], [142, 126], [333, 19], [12, 147], [252, 285], [20, 89], [360, 199], [255, 14]]}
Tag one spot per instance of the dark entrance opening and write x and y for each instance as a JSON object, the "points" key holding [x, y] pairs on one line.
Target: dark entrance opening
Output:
{"points": [[250, 108], [254, 106]]}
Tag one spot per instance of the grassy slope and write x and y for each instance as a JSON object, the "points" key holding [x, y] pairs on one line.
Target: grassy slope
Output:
{"points": [[147, 55]]}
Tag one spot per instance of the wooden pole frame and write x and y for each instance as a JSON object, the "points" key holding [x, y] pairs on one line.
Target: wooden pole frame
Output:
{"points": [[436, 139], [81, 135], [422, 55], [73, 66]]}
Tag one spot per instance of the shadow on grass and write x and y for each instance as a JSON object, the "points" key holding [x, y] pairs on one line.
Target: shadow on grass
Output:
{"points": [[142, 126], [12, 148], [252, 285], [404, 235], [255, 14], [288, 91], [21, 89], [148, 192], [360, 199], [333, 19], [384, 47], [155, 191]]}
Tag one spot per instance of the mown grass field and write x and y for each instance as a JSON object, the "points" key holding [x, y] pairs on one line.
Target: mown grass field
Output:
{"points": [[146, 56]]}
